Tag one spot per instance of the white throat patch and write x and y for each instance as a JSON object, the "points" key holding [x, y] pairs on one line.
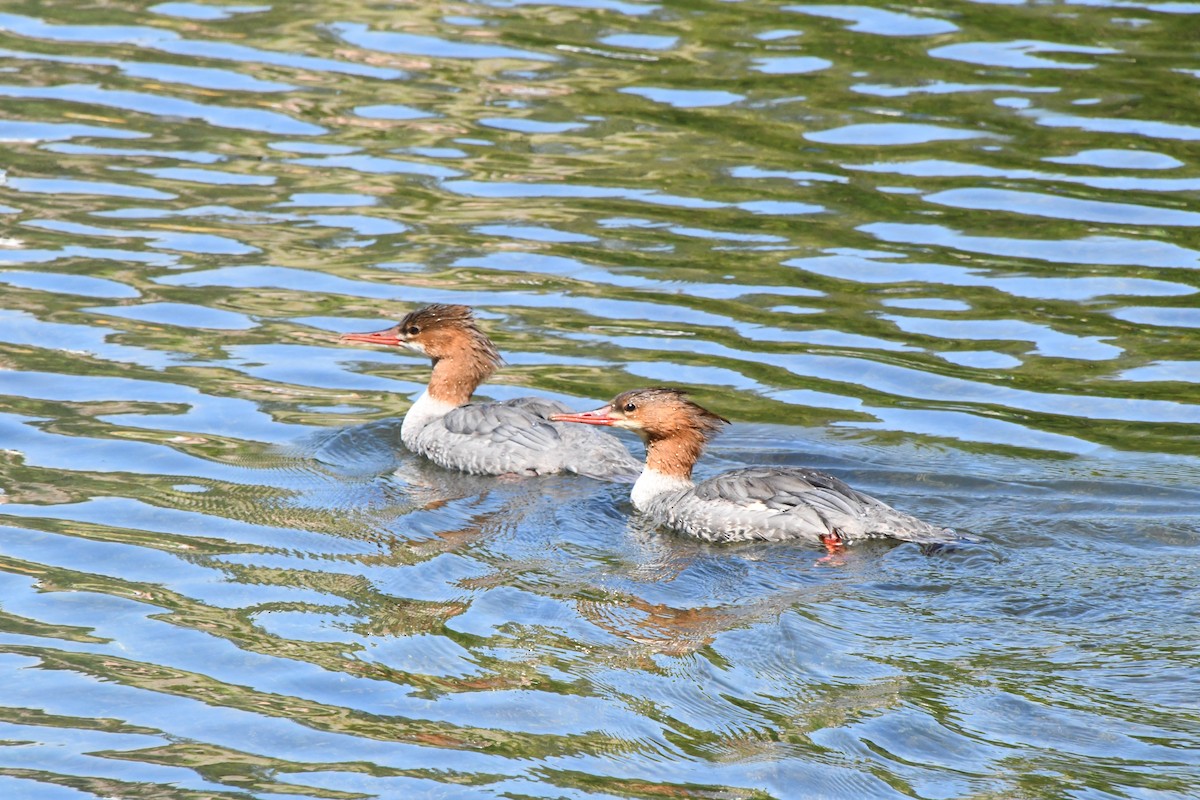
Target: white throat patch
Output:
{"points": [[651, 483], [424, 411]]}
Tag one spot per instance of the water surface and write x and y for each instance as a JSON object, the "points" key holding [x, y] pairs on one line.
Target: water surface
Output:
{"points": [[947, 252]]}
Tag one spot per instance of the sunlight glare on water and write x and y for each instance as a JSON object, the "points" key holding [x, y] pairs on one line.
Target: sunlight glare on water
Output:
{"points": [[945, 252]]}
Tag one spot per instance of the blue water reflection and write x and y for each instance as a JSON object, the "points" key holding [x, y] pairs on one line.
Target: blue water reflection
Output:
{"points": [[947, 253]]}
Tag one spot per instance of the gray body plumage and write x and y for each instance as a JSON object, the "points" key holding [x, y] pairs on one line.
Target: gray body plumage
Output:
{"points": [[785, 503], [516, 437]]}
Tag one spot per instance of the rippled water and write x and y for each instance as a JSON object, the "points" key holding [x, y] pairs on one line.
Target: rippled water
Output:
{"points": [[947, 252]]}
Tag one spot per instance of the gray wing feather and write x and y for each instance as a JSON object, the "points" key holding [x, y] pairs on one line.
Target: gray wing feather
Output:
{"points": [[538, 406], [503, 423], [808, 503], [516, 437]]}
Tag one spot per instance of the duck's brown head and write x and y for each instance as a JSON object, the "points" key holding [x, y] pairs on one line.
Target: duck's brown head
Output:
{"points": [[675, 429], [438, 331], [463, 356]]}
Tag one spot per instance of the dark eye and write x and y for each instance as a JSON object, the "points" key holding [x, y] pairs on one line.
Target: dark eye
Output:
{"points": [[413, 330], [630, 407]]}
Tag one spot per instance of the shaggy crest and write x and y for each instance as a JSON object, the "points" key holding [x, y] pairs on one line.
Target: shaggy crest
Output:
{"points": [[462, 355], [675, 429], [664, 411], [437, 325]]}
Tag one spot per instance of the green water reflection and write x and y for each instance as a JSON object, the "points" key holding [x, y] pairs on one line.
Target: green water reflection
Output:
{"points": [[948, 252]]}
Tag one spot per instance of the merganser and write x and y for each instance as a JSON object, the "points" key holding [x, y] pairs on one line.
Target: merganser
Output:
{"points": [[764, 503], [512, 437]]}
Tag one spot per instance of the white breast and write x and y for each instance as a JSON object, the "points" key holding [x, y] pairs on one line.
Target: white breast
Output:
{"points": [[652, 483], [424, 411]]}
